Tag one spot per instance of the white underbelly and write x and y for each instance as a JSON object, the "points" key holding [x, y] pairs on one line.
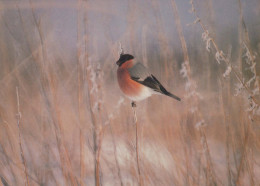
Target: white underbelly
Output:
{"points": [[145, 93]]}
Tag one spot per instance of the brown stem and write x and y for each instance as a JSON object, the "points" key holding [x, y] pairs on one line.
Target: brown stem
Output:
{"points": [[80, 94], [226, 121], [243, 158], [20, 141], [136, 143]]}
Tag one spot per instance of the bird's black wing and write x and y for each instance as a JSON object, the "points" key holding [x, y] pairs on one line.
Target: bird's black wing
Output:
{"points": [[152, 83], [140, 74]]}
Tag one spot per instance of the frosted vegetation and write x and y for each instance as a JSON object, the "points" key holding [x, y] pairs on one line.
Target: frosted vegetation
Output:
{"points": [[64, 120]]}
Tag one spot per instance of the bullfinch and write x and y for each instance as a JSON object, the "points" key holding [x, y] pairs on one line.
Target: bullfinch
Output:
{"points": [[136, 82]]}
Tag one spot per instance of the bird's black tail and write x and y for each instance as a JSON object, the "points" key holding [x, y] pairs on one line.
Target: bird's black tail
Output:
{"points": [[171, 95], [165, 92], [162, 90]]}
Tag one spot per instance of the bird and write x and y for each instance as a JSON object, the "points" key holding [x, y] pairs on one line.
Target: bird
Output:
{"points": [[136, 81]]}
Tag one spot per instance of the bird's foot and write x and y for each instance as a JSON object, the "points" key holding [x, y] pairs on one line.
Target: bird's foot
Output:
{"points": [[133, 104]]}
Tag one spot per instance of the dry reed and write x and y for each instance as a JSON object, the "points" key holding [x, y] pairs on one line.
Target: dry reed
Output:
{"points": [[140, 180], [62, 56], [19, 115]]}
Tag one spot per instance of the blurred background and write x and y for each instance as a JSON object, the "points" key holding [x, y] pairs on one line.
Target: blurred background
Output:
{"points": [[64, 120]]}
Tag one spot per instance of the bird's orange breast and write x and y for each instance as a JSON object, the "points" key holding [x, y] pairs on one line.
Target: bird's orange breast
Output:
{"points": [[127, 85]]}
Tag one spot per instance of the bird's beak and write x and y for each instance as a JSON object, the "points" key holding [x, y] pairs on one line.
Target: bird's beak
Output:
{"points": [[118, 62]]}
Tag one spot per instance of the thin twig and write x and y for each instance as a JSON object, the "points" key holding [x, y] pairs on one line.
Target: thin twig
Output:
{"points": [[136, 143], [100, 139], [80, 94], [226, 121], [19, 115], [244, 154], [121, 50]]}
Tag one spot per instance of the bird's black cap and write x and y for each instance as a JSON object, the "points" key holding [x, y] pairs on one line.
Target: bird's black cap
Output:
{"points": [[123, 58]]}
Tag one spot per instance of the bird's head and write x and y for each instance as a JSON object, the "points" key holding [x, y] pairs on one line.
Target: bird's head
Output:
{"points": [[123, 58]]}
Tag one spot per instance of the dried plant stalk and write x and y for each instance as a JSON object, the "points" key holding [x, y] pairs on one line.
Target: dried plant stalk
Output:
{"points": [[18, 115], [80, 94], [226, 121], [140, 181]]}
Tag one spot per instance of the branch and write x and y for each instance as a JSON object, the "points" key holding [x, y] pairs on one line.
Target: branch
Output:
{"points": [[19, 115], [136, 141]]}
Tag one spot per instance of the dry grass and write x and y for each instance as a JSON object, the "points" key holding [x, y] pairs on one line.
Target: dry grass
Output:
{"points": [[77, 129]]}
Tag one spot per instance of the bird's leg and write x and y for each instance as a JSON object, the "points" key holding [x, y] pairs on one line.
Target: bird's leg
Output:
{"points": [[133, 104]]}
